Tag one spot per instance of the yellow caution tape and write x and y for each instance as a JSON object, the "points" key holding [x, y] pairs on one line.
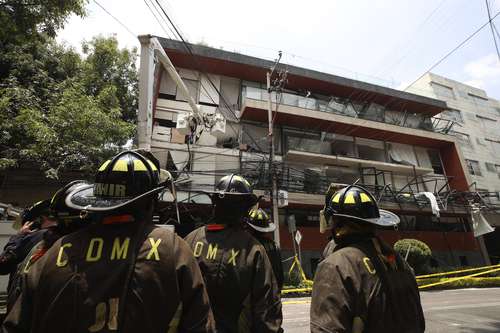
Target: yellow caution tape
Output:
{"points": [[458, 278], [454, 272], [296, 262], [298, 302], [487, 270], [296, 290]]}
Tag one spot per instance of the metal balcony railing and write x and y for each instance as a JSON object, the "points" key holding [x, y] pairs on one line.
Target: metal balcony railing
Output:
{"points": [[346, 107]]}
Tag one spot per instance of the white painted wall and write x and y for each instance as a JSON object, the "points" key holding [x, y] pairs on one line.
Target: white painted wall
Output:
{"points": [[480, 148]]}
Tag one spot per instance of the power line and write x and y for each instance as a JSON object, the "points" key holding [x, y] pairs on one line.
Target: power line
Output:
{"points": [[455, 49], [117, 20], [492, 29], [167, 25], [156, 18], [189, 50]]}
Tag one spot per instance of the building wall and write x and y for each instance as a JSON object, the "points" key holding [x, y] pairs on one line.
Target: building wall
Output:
{"points": [[215, 153], [478, 129]]}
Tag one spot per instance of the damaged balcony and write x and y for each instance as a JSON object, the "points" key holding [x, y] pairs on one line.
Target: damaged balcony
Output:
{"points": [[344, 116]]}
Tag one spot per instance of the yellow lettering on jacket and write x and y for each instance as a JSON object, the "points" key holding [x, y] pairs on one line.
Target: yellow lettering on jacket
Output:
{"points": [[198, 247], [113, 313], [232, 259], [59, 261], [100, 318], [98, 243], [120, 251], [369, 266], [212, 251], [154, 249]]}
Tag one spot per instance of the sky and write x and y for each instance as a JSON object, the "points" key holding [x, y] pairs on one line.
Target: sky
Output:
{"points": [[386, 42]]}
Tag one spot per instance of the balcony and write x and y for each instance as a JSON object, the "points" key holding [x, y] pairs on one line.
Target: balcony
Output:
{"points": [[335, 160], [346, 111]]}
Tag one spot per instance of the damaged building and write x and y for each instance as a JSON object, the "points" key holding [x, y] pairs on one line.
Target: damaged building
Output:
{"points": [[327, 129]]}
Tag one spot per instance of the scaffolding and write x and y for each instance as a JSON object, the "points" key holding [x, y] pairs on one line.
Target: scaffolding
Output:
{"points": [[313, 181]]}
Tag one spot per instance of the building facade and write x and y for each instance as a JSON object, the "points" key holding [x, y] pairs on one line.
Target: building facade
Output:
{"points": [[327, 129], [477, 130]]}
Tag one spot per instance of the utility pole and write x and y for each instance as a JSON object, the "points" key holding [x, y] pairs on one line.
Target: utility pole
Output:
{"points": [[272, 173]]}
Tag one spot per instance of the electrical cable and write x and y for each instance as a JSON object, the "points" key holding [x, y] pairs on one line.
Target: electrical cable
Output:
{"points": [[453, 50], [157, 19], [117, 20], [492, 29], [188, 48]]}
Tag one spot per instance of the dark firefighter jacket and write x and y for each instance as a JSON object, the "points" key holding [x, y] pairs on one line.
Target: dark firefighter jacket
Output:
{"points": [[16, 250], [364, 286], [243, 291], [87, 282], [274, 255], [49, 236]]}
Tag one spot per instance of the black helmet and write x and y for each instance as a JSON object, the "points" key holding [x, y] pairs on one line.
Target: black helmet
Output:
{"points": [[38, 209], [126, 178], [59, 210], [233, 197], [233, 185], [260, 221], [356, 203]]}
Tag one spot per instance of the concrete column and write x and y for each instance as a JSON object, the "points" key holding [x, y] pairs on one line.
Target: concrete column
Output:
{"points": [[146, 81]]}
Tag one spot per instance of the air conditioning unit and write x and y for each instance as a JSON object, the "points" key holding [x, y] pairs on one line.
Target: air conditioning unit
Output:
{"points": [[282, 198], [219, 126], [183, 123]]}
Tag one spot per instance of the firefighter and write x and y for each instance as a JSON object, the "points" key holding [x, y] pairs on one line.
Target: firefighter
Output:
{"points": [[362, 285], [121, 272], [35, 222], [260, 227], [67, 220], [241, 285]]}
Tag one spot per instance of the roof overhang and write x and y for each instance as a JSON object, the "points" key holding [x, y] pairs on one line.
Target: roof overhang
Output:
{"points": [[249, 68]]}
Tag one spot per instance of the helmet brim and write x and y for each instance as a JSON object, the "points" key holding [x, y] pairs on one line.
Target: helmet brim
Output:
{"points": [[83, 198], [221, 195], [386, 219], [270, 228]]}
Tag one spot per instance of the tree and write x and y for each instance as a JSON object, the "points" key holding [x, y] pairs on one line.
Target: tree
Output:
{"points": [[418, 252], [60, 110], [105, 66]]}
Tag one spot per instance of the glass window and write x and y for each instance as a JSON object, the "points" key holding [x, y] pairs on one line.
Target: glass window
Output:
{"points": [[491, 167], [442, 90], [436, 161], [253, 93], [307, 103], [473, 167], [289, 99], [478, 100]]}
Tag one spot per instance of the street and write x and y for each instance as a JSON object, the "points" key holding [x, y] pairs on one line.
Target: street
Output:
{"points": [[464, 310]]}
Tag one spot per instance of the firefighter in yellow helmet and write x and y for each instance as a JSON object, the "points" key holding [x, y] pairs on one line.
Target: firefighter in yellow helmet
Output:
{"points": [[243, 291], [362, 285], [260, 226], [121, 273]]}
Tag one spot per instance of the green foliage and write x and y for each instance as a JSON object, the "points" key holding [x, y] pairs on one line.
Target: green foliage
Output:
{"points": [[26, 20], [419, 254], [59, 109]]}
